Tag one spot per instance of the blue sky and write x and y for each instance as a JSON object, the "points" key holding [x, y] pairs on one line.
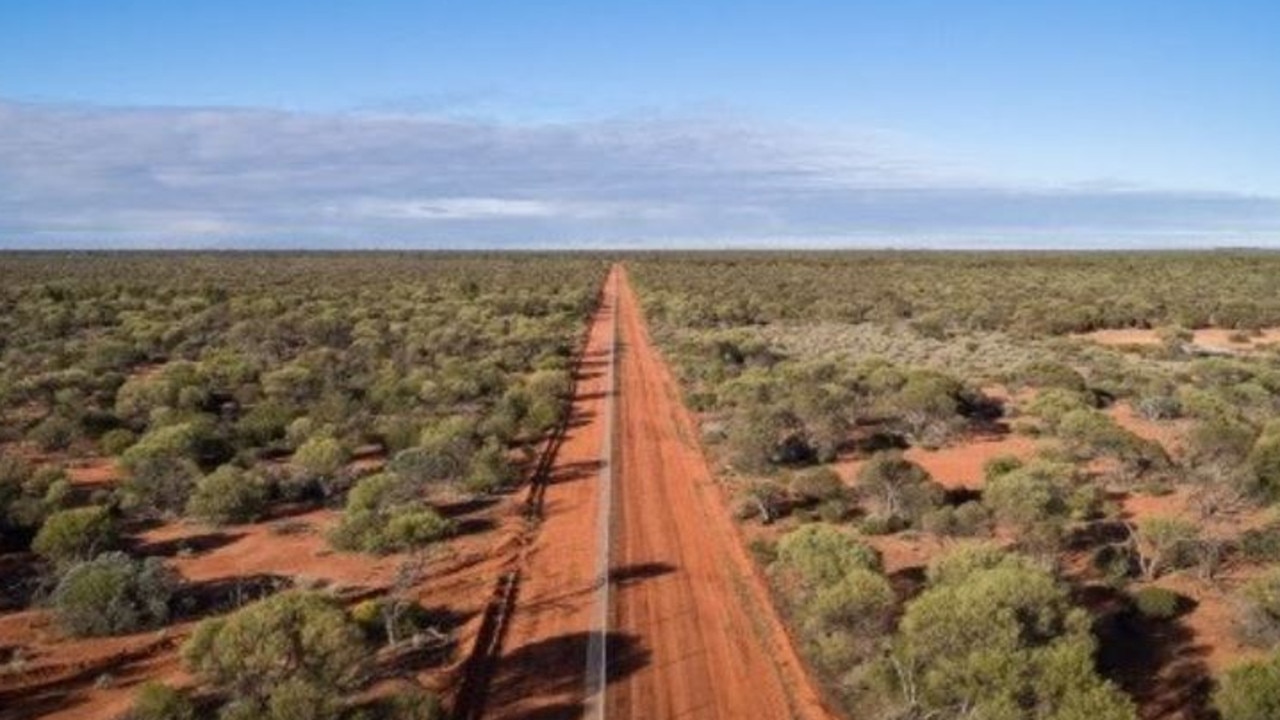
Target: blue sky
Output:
{"points": [[483, 123]]}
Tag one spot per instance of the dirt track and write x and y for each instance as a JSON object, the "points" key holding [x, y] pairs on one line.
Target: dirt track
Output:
{"points": [[709, 643], [692, 633]]}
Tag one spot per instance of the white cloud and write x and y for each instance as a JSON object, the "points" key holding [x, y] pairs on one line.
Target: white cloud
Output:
{"points": [[82, 174]]}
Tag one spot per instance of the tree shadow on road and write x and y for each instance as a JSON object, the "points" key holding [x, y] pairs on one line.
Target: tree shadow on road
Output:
{"points": [[556, 666], [629, 574]]}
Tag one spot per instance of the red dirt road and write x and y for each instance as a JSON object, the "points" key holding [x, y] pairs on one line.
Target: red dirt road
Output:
{"points": [[694, 634]]}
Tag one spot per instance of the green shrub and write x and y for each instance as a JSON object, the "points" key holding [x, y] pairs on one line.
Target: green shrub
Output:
{"points": [[113, 594], [160, 485], [177, 441], [972, 519], [28, 495], [1259, 619], [763, 550], [384, 513], [957, 566], [1157, 603], [1158, 407], [880, 525], [321, 456], [1000, 465], [299, 699], [1261, 544], [489, 470], [1250, 691], [940, 521], [998, 636], [902, 488], [115, 442], [228, 495], [157, 701], [53, 433], [1031, 495], [294, 636], [822, 554], [861, 600], [68, 536], [817, 485], [373, 616], [1049, 374]]}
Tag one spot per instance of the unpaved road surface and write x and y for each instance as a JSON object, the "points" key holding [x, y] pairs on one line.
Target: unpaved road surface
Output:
{"points": [[707, 641], [690, 629]]}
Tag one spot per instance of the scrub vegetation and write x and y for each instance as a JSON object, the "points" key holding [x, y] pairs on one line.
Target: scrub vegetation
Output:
{"points": [[217, 397], [999, 485]]}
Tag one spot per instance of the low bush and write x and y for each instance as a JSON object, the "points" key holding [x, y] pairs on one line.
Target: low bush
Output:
{"points": [[1259, 620], [384, 514], [228, 495], [1157, 603], [1250, 691], [1261, 544], [321, 456], [75, 535], [157, 701], [295, 647], [113, 594], [821, 554]]}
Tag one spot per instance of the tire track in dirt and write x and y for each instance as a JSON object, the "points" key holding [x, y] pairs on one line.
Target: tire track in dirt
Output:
{"points": [[710, 643]]}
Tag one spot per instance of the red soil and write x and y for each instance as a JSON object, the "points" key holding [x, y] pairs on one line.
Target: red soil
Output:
{"points": [[955, 466], [1214, 338], [695, 633], [58, 680], [1169, 434]]}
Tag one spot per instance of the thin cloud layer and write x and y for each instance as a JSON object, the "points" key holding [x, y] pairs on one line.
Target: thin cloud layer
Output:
{"points": [[91, 176]]}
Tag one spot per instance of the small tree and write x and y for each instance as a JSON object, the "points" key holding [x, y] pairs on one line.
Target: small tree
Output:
{"points": [[903, 488], [763, 498], [1158, 541], [293, 637], [489, 470], [1034, 499], [321, 456], [113, 594], [995, 640], [74, 535], [818, 485], [159, 485], [858, 607], [927, 403], [409, 574], [228, 495], [753, 440], [820, 554], [385, 513]]}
